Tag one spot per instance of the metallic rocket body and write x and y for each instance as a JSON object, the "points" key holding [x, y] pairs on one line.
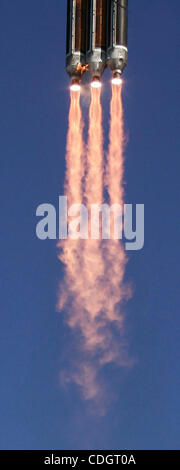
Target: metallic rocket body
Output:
{"points": [[76, 38], [96, 37], [97, 34], [117, 51]]}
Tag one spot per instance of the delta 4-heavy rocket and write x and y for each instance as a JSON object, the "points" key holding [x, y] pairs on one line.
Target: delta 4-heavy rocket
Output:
{"points": [[96, 38]]}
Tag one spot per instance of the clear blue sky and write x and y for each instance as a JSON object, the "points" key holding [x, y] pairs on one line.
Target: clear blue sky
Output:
{"points": [[36, 412]]}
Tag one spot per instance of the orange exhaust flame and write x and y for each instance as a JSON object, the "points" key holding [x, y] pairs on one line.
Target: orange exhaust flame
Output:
{"points": [[82, 294], [94, 179], [74, 152], [91, 321], [115, 164], [69, 249], [93, 289], [115, 255]]}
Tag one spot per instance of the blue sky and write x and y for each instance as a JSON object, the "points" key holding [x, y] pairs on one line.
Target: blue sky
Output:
{"points": [[36, 411]]}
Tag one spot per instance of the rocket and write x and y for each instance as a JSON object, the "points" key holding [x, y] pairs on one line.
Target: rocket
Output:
{"points": [[96, 38], [117, 50], [76, 40]]}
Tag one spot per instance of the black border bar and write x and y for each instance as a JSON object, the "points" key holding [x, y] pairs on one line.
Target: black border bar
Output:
{"points": [[80, 459]]}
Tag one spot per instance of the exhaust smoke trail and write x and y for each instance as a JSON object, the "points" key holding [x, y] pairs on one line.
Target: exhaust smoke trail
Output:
{"points": [[82, 292], [115, 164], [94, 178], [93, 288], [74, 151], [91, 321], [115, 255], [102, 273], [70, 251]]}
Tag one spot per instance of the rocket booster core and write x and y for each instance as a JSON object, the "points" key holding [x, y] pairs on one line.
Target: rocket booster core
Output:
{"points": [[76, 39], [96, 44], [117, 51], [96, 38]]}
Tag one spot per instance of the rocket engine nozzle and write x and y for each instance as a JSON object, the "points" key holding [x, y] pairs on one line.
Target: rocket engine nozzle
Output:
{"points": [[76, 38], [96, 83], [96, 38], [117, 50], [75, 84], [117, 80]]}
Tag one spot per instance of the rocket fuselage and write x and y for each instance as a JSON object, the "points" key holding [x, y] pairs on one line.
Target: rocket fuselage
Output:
{"points": [[117, 50], [96, 37], [121, 22], [76, 37], [97, 34]]}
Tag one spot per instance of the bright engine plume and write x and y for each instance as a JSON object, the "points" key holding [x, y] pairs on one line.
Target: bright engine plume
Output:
{"points": [[93, 292]]}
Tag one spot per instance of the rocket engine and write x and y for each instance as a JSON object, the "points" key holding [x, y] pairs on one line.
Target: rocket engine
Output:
{"points": [[96, 38]]}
